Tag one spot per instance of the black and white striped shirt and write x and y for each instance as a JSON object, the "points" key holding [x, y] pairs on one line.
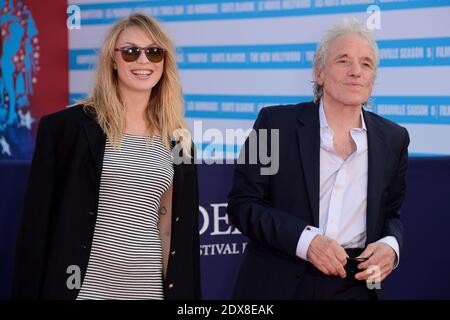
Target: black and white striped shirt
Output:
{"points": [[126, 255]]}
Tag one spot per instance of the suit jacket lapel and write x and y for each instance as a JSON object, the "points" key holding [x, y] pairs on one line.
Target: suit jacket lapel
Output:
{"points": [[96, 139], [178, 180], [308, 134], [178, 186], [376, 161]]}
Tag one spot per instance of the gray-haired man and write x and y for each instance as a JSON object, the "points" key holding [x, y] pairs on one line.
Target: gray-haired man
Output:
{"points": [[338, 190]]}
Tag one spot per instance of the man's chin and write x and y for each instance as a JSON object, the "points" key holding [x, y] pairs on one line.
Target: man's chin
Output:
{"points": [[356, 101]]}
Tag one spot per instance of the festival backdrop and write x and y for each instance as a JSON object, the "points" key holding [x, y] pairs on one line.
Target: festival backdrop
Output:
{"points": [[234, 57]]}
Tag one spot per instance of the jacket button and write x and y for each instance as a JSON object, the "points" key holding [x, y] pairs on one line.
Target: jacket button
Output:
{"points": [[91, 213], [177, 218], [173, 252], [171, 285], [83, 247]]}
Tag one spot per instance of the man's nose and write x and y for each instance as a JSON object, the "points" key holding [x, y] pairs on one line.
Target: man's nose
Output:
{"points": [[354, 69]]}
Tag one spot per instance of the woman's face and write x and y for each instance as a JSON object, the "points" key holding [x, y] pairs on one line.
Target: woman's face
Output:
{"points": [[141, 75]]}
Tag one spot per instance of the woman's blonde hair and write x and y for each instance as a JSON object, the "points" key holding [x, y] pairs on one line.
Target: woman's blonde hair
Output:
{"points": [[165, 106]]}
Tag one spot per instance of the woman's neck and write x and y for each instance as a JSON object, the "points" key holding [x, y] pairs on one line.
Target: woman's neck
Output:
{"points": [[136, 106]]}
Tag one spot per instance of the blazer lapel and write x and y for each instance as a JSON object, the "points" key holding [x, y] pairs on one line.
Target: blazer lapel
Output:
{"points": [[96, 139], [178, 181], [308, 134], [376, 161]]}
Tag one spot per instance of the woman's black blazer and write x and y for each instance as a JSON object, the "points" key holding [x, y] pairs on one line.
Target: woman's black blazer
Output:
{"points": [[60, 211]]}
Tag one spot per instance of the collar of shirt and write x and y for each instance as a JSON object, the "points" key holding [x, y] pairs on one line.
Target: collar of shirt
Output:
{"points": [[359, 135]]}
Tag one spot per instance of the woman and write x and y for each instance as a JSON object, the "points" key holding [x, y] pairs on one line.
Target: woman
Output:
{"points": [[110, 212]]}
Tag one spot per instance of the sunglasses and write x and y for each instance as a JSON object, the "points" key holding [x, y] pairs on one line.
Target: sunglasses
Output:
{"points": [[130, 54]]}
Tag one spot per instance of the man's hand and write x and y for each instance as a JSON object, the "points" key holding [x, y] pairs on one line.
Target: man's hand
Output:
{"points": [[327, 256], [381, 256]]}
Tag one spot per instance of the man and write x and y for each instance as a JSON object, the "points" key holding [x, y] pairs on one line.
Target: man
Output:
{"points": [[338, 190]]}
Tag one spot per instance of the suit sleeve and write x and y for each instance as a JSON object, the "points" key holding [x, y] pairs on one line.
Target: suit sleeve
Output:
{"points": [[33, 233], [396, 195], [249, 206]]}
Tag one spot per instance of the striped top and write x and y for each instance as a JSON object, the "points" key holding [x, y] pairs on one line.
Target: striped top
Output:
{"points": [[126, 254]]}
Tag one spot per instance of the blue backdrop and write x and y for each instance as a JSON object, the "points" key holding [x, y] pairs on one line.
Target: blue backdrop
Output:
{"points": [[423, 273], [236, 57]]}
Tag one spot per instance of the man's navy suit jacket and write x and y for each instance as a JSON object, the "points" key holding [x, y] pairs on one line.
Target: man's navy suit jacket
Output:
{"points": [[273, 210]]}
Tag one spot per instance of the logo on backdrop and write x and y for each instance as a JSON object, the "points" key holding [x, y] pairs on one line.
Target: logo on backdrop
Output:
{"points": [[218, 236], [19, 60]]}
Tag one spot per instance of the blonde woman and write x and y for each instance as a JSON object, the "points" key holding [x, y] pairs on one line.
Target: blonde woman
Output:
{"points": [[109, 213]]}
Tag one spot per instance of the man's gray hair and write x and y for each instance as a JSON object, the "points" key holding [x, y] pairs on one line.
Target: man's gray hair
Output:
{"points": [[346, 26]]}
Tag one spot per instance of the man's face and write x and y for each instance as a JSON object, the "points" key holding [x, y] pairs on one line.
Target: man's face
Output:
{"points": [[349, 71]]}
